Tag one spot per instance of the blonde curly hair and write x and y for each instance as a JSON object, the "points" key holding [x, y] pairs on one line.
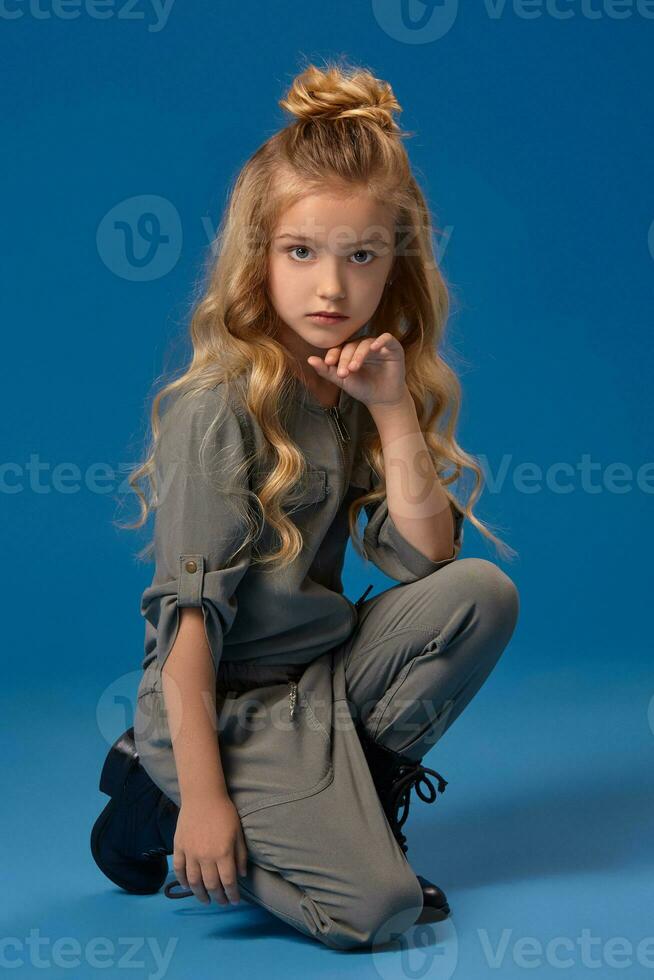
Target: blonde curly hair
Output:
{"points": [[343, 137]]}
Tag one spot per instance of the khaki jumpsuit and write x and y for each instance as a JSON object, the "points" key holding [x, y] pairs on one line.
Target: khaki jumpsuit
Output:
{"points": [[298, 664]]}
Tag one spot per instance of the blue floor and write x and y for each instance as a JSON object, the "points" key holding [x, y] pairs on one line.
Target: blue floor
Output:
{"points": [[542, 841]]}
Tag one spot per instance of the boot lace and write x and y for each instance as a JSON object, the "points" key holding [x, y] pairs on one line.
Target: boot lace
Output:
{"points": [[169, 893], [409, 776]]}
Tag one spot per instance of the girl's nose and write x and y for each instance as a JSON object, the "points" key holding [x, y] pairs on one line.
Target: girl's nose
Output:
{"points": [[331, 295], [331, 285]]}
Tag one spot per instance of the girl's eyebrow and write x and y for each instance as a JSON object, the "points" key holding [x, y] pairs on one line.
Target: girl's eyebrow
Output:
{"points": [[305, 238]]}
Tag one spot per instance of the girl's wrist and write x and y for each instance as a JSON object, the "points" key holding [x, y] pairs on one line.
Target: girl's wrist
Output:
{"points": [[201, 796], [396, 417]]}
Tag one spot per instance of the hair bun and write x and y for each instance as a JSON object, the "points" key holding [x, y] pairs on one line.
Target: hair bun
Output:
{"points": [[341, 93]]}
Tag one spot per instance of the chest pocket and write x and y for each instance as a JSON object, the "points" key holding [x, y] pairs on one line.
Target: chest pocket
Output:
{"points": [[311, 490]]}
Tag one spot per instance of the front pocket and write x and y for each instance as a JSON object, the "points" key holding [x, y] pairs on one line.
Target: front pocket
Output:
{"points": [[270, 758], [311, 490]]}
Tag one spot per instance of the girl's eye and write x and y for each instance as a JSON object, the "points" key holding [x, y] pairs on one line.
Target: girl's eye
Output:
{"points": [[304, 248], [299, 247], [365, 251]]}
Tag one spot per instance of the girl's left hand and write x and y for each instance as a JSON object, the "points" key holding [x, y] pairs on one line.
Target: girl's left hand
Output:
{"points": [[371, 370]]}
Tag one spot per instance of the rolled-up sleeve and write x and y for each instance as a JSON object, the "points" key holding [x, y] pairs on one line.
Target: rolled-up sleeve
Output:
{"points": [[390, 551], [197, 528]]}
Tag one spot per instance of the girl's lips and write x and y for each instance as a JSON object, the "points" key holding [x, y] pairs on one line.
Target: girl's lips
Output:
{"points": [[325, 318]]}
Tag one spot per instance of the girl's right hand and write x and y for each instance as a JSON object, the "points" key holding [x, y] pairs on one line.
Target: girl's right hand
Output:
{"points": [[209, 849]]}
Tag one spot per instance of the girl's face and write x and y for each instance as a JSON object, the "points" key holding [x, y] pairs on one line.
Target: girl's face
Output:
{"points": [[329, 252]]}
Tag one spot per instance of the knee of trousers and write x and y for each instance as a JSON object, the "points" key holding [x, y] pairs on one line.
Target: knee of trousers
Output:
{"points": [[379, 910], [493, 592]]}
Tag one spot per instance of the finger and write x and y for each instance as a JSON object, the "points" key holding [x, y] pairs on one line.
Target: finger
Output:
{"points": [[179, 867], [195, 882], [350, 352], [342, 369], [212, 882], [385, 340], [379, 347], [360, 354], [356, 358], [227, 869], [336, 354], [242, 855], [347, 353]]}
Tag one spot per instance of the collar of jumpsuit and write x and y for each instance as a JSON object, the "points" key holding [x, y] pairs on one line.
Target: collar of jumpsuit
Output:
{"points": [[295, 614], [310, 403]]}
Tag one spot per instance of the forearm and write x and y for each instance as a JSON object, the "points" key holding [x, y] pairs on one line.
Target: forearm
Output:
{"points": [[189, 689], [417, 503]]}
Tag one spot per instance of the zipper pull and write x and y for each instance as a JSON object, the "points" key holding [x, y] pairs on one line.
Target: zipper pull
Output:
{"points": [[361, 599], [340, 424], [292, 698]]}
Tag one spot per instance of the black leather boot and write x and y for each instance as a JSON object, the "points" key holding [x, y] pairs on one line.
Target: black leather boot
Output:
{"points": [[394, 776], [135, 831]]}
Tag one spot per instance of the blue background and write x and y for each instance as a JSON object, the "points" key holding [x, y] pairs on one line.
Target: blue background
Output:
{"points": [[534, 146]]}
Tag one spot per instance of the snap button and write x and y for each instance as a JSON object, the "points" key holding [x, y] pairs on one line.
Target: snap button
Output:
{"points": [[190, 581]]}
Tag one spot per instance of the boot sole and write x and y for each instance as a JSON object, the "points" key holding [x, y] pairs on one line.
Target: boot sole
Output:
{"points": [[119, 763], [431, 914]]}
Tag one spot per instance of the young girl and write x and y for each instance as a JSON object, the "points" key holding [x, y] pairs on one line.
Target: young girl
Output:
{"points": [[280, 727]]}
